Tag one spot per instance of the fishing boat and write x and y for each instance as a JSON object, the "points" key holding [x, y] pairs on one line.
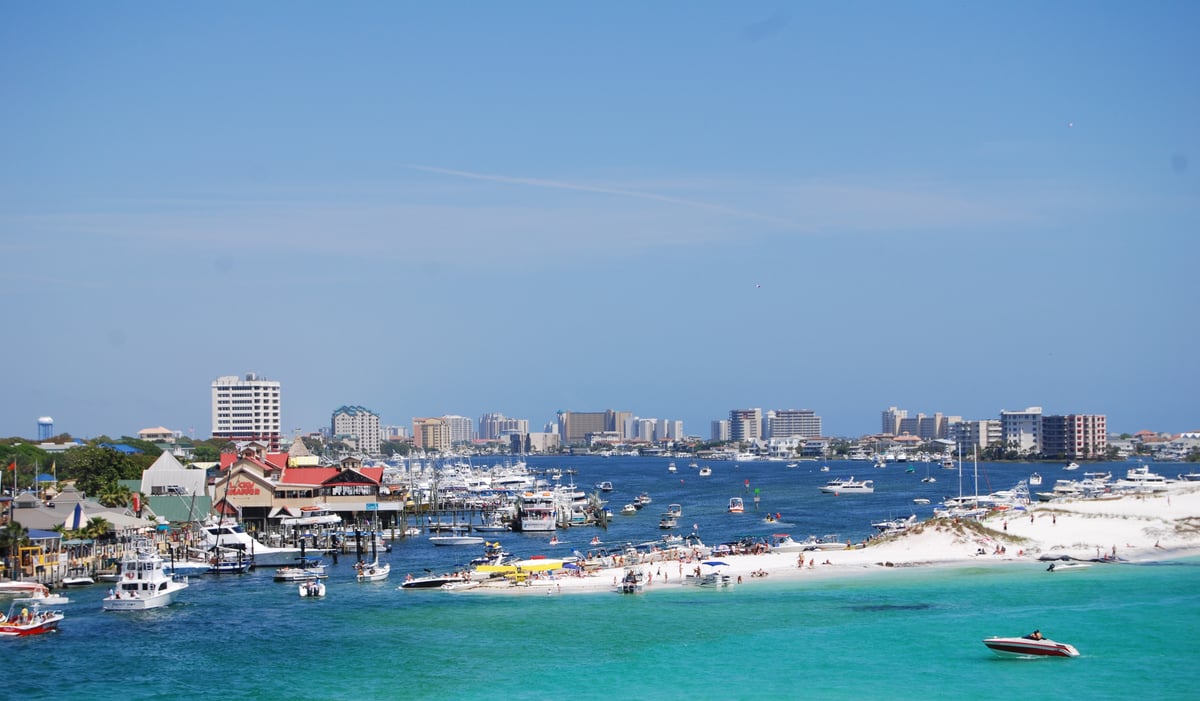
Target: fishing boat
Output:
{"points": [[28, 619], [144, 584], [736, 506], [312, 589], [1030, 647]]}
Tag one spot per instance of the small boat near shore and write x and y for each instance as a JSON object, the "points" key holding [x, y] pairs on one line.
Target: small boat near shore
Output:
{"points": [[312, 589], [1030, 647]]}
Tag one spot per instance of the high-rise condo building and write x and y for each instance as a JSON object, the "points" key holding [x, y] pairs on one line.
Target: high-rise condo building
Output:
{"points": [[246, 410], [494, 426], [745, 424], [431, 435], [891, 420], [462, 429], [1074, 436], [785, 423], [359, 423], [1022, 430]]}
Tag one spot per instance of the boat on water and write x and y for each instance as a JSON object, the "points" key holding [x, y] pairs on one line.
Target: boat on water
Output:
{"points": [[304, 569], [28, 619], [675, 510], [536, 513], [921, 500], [43, 599], [372, 571], [709, 580], [736, 506], [605, 486], [1035, 480], [1068, 566], [429, 581], [792, 465], [460, 585], [629, 510], [312, 589], [848, 486], [227, 533], [456, 539], [1028, 646], [1071, 466], [20, 588], [144, 584], [667, 522], [706, 471], [632, 583], [671, 467], [78, 577]]}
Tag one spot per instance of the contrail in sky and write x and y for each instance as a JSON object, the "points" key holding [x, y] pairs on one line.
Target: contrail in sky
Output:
{"points": [[559, 185]]}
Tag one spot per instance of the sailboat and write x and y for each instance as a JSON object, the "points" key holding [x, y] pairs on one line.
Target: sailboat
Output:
{"points": [[372, 571], [928, 477]]}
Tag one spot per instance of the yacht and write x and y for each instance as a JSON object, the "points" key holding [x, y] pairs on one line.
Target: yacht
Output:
{"points": [[536, 512], [849, 486], [230, 534]]}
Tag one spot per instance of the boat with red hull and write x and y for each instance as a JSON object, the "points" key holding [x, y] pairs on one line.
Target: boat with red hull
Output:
{"points": [[28, 619], [1030, 647]]}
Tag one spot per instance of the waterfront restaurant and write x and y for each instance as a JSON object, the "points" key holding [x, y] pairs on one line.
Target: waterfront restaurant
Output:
{"points": [[259, 489]]}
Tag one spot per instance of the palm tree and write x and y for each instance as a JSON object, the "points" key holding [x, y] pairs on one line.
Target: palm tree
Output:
{"points": [[115, 495], [96, 528], [12, 536]]}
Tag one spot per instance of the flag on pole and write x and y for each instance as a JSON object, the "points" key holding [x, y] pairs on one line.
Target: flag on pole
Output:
{"points": [[12, 465]]}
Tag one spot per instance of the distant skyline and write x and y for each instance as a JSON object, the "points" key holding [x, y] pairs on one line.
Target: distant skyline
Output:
{"points": [[673, 208]]}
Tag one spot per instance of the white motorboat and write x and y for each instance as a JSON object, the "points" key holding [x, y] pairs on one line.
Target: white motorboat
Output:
{"points": [[1071, 467], [456, 539], [19, 588], [1035, 480], [706, 471], [667, 522], [304, 569], [372, 571], [537, 512], [144, 584], [736, 506], [1068, 566], [312, 589], [849, 486], [675, 510], [230, 534], [460, 585], [628, 510], [43, 599], [1030, 647]]}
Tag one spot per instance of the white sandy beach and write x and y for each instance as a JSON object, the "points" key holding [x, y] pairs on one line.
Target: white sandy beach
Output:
{"points": [[1139, 528]]}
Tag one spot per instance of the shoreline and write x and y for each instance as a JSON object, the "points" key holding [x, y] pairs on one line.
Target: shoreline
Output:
{"points": [[1131, 529]]}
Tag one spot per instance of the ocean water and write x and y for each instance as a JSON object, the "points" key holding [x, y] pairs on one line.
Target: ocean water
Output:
{"points": [[903, 633]]}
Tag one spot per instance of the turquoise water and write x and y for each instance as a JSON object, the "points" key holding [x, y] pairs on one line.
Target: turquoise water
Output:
{"points": [[905, 633]]}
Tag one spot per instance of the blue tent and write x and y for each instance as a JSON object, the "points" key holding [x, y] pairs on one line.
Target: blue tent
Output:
{"points": [[45, 478]]}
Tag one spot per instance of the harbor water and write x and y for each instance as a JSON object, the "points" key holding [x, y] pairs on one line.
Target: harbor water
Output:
{"points": [[897, 633]]}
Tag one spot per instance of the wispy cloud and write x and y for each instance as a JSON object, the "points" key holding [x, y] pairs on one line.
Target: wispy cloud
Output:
{"points": [[599, 189]]}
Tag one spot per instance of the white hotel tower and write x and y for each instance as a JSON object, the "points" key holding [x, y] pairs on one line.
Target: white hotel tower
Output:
{"points": [[246, 410]]}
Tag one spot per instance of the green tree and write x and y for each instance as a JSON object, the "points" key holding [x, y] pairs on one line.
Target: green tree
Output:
{"points": [[12, 536], [203, 452], [93, 468], [113, 494], [97, 528]]}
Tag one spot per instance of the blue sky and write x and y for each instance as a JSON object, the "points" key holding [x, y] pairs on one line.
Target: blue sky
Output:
{"points": [[671, 208]]}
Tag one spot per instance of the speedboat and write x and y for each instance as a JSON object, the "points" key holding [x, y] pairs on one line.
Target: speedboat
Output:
{"points": [[628, 510], [21, 620], [1067, 566], [706, 471], [1029, 647], [456, 539], [735, 505]]}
